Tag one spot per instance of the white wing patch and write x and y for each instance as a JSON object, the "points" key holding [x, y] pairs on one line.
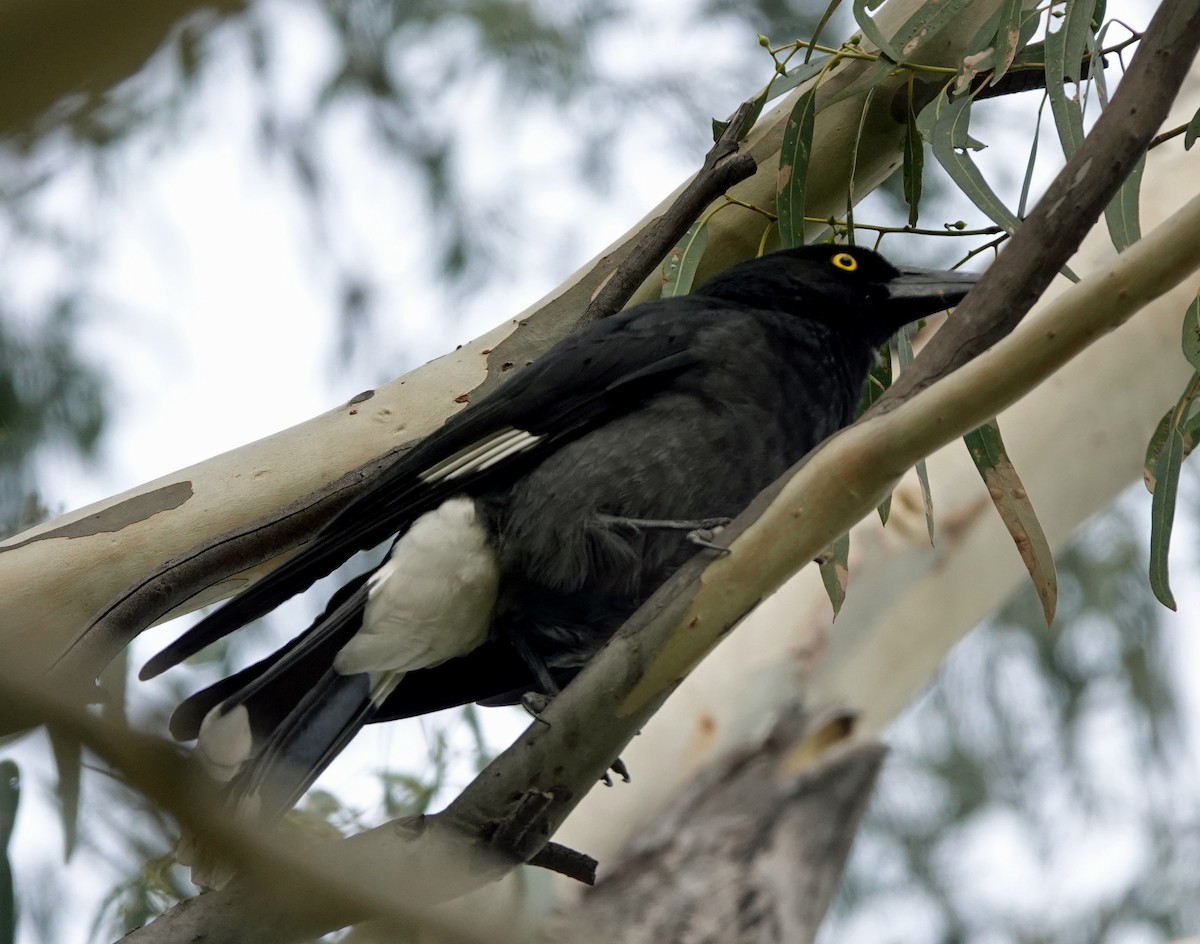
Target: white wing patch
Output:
{"points": [[431, 600], [225, 742], [481, 455]]}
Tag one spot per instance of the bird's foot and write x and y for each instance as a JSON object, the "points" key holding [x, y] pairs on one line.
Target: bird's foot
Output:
{"points": [[617, 767], [537, 702], [703, 537], [700, 531]]}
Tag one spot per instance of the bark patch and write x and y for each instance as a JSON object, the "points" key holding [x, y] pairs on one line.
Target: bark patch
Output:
{"points": [[118, 516]]}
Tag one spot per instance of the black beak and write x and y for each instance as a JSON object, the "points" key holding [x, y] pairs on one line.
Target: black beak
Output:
{"points": [[915, 293]]}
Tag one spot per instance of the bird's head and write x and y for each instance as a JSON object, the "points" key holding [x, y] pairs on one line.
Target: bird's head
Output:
{"points": [[847, 286]]}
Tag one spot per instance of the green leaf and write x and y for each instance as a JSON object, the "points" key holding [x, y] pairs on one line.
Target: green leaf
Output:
{"points": [[1012, 32], [1064, 56], [68, 762], [914, 161], [878, 380], [1162, 515], [794, 156], [944, 124], [10, 799], [862, 126], [870, 30], [1192, 132], [820, 27], [1191, 333], [1016, 511], [926, 495], [885, 509], [1183, 419], [778, 85], [835, 572], [904, 354], [994, 46], [1023, 202], [1123, 215], [927, 20], [679, 268], [794, 77], [1155, 447], [1171, 443]]}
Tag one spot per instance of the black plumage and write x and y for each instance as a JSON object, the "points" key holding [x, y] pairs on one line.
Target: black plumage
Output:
{"points": [[677, 410]]}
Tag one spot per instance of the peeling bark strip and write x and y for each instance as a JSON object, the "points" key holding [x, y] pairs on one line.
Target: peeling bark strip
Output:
{"points": [[754, 849], [119, 516]]}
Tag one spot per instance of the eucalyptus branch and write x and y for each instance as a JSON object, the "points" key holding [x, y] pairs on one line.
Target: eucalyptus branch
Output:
{"points": [[1167, 136], [1072, 203], [724, 166]]}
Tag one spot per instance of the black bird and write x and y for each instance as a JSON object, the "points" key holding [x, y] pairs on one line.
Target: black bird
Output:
{"points": [[534, 522]]}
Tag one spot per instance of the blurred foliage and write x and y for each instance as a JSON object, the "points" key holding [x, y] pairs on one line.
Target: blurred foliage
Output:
{"points": [[152, 882], [1041, 789], [49, 397]]}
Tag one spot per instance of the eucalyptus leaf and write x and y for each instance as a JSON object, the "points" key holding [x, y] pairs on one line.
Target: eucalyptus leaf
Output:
{"points": [[904, 354], [679, 268], [1064, 62], [914, 162], [821, 24], [1004, 485], [944, 124], [10, 799], [835, 572], [1192, 132], [863, 18], [878, 380], [1023, 202], [927, 20], [1122, 215], [1013, 30], [1169, 446], [794, 156], [1162, 515], [1191, 333], [1154, 448]]}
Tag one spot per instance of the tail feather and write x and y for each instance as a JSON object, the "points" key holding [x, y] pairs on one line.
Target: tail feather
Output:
{"points": [[269, 762], [304, 743]]}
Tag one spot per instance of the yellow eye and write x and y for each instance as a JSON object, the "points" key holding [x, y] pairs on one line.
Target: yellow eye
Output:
{"points": [[845, 261]]}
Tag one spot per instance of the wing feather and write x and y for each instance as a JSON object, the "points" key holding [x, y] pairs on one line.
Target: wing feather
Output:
{"points": [[580, 383]]}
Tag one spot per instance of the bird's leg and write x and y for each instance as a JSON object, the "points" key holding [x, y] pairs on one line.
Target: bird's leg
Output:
{"points": [[549, 687], [536, 702], [701, 531]]}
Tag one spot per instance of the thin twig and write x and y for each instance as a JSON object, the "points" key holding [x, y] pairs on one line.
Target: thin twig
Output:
{"points": [[1167, 136], [724, 166]]}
